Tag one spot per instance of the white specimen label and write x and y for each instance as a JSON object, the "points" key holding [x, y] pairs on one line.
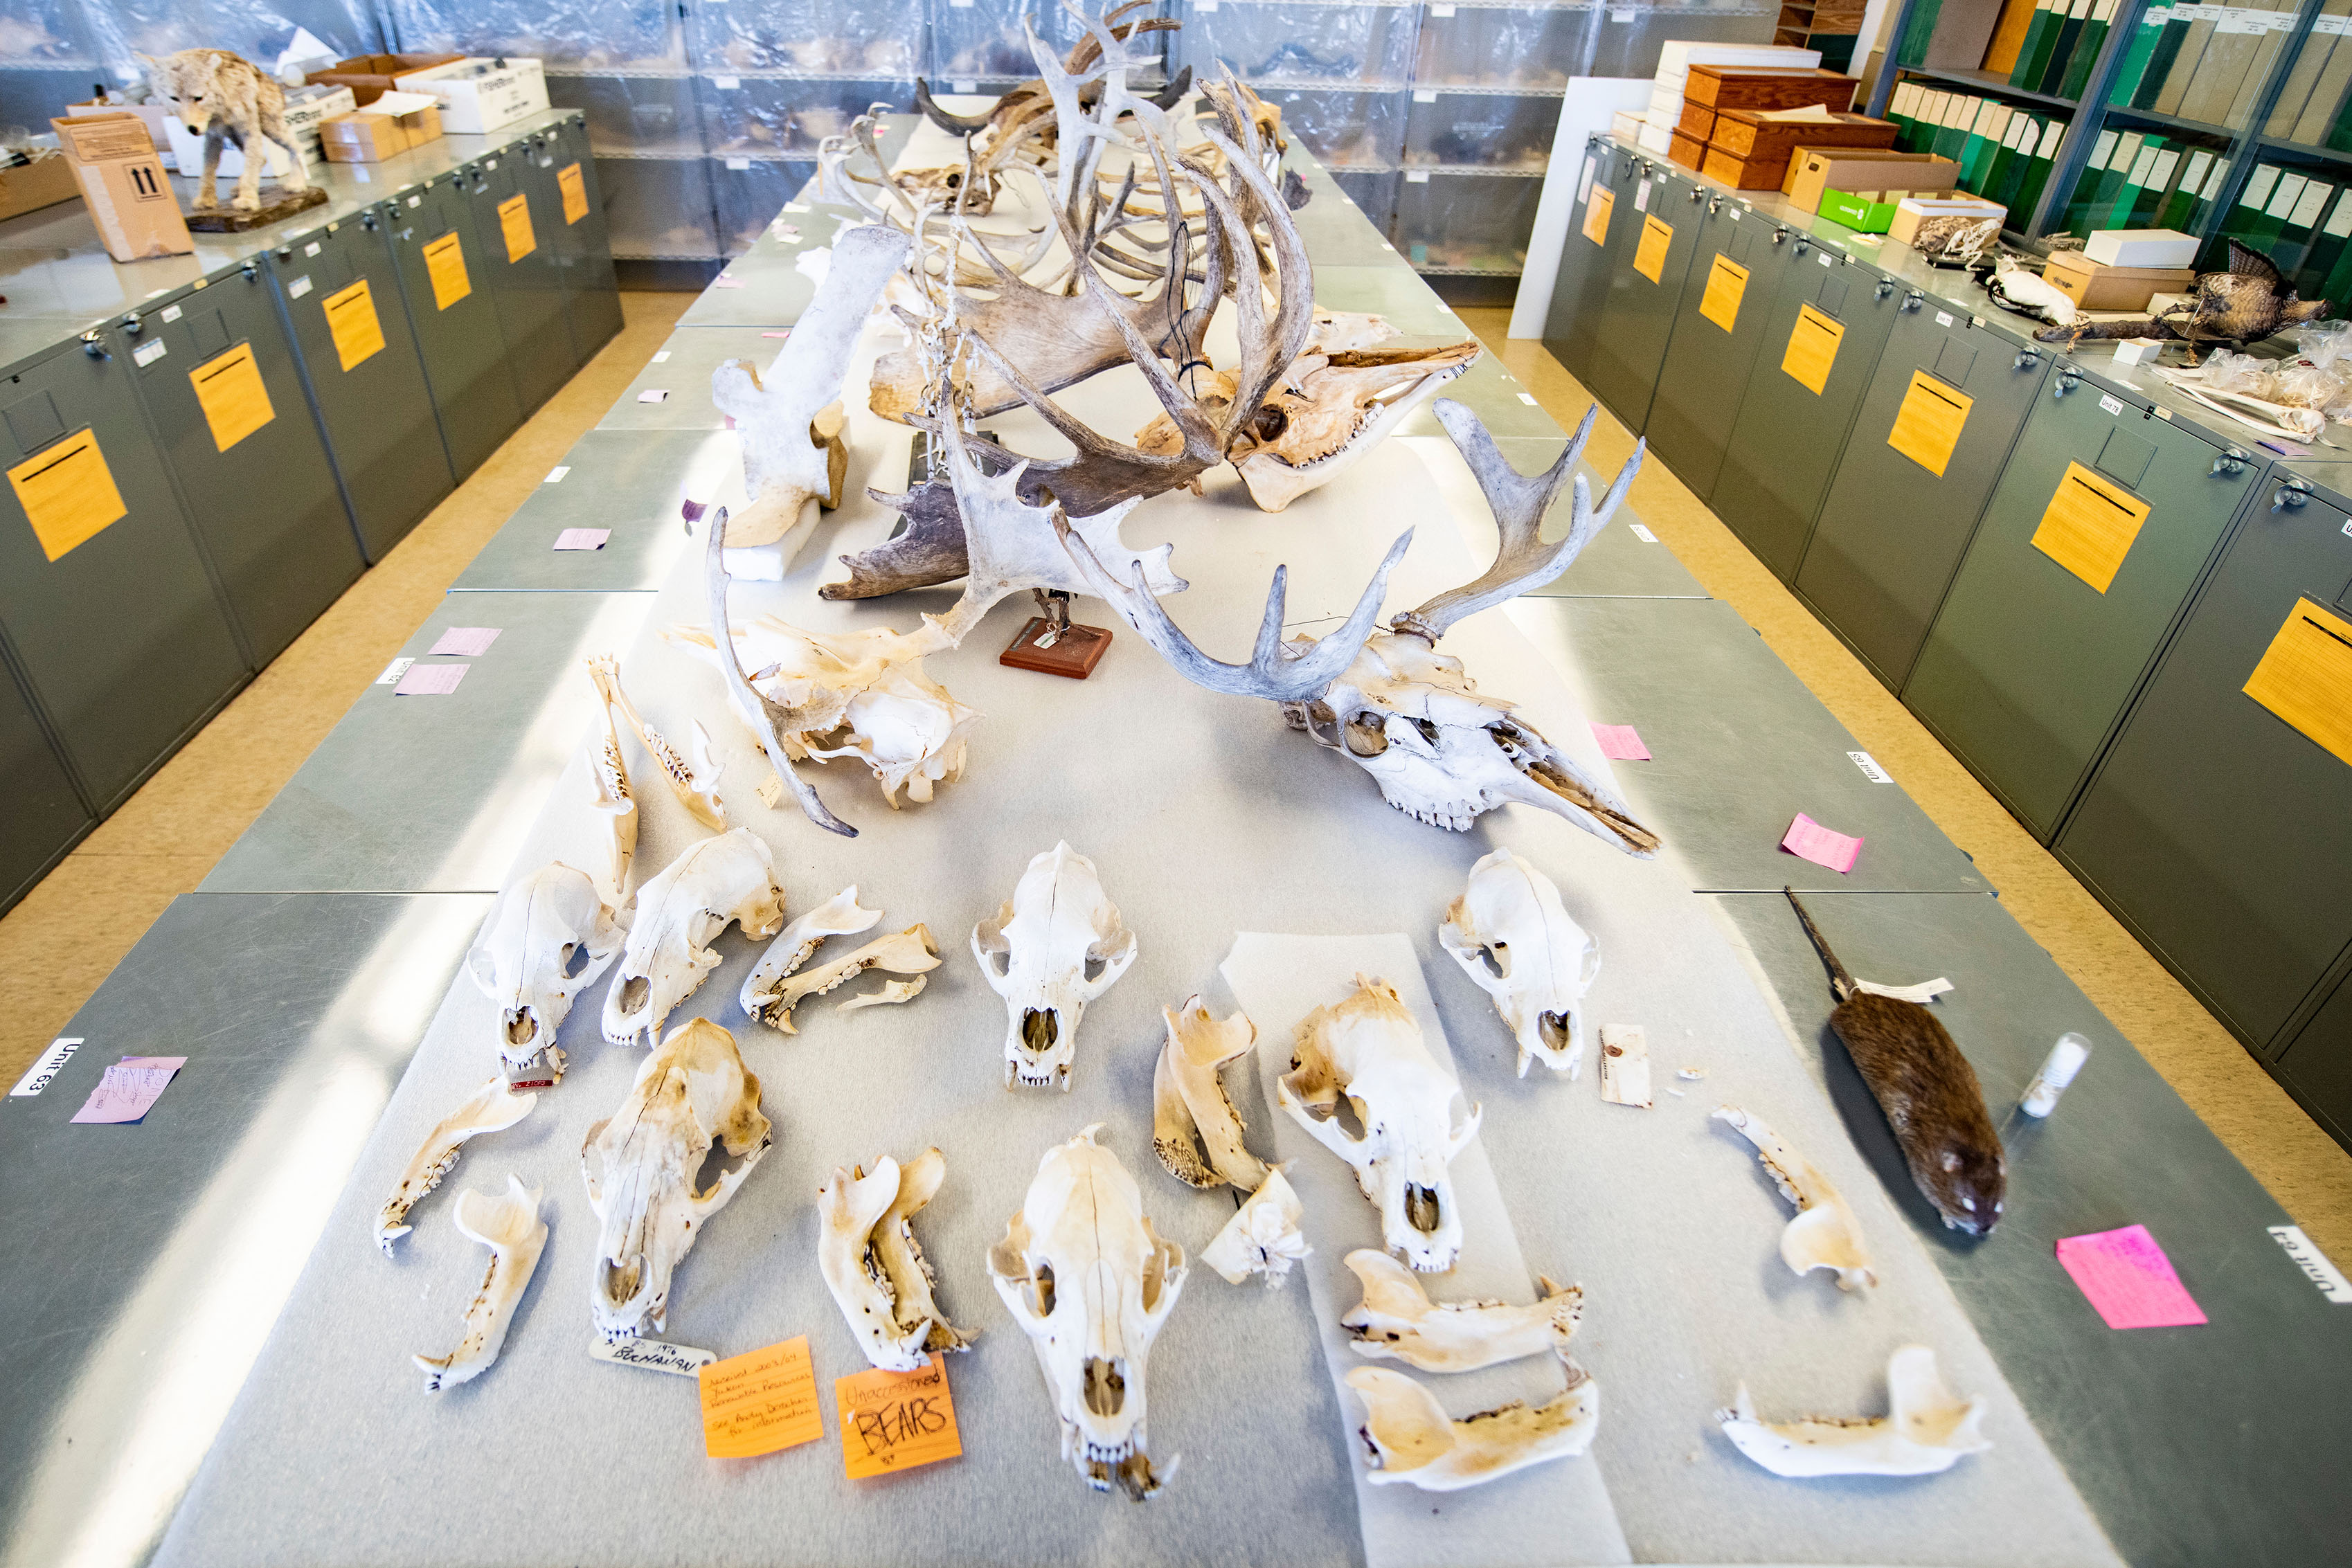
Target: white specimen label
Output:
{"points": [[678, 1360], [1644, 535], [171, 312], [148, 353], [299, 287], [1943, 317], [393, 672], [311, 249], [555, 474], [2307, 1257], [60, 1052], [1870, 767], [660, 354], [2114, 405]]}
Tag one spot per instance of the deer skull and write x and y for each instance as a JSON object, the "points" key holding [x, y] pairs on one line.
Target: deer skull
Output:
{"points": [[1512, 937], [728, 879], [1368, 1049], [877, 1274], [1054, 948], [642, 1163], [1090, 1282], [548, 937]]}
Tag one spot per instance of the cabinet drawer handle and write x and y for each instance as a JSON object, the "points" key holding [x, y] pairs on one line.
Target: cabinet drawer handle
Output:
{"points": [[2293, 493], [1913, 300], [2228, 464]]}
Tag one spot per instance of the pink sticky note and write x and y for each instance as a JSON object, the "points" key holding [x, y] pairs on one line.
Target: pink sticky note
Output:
{"points": [[785, 333], [127, 1090], [464, 642], [430, 680], [1620, 744], [1810, 841], [2128, 1279], [654, 394], [174, 1063], [726, 282], [582, 539]]}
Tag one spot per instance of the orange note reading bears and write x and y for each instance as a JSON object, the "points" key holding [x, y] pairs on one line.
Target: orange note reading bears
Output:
{"points": [[893, 1421]]}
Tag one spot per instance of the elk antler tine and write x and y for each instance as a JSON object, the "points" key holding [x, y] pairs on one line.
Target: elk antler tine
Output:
{"points": [[953, 125]]}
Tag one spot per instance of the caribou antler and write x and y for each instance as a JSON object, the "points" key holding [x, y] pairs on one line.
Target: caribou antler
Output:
{"points": [[1522, 560], [953, 125]]}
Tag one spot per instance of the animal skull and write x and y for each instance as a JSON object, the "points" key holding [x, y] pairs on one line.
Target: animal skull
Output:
{"points": [[1191, 1112], [908, 951], [1056, 945], [877, 1274], [1409, 1437], [731, 878], [1262, 1236], [492, 1108], [1825, 1234], [1090, 1282], [1368, 1049], [509, 1226], [642, 1163], [1397, 1320], [1513, 938], [1927, 1430], [1330, 409], [548, 937]]}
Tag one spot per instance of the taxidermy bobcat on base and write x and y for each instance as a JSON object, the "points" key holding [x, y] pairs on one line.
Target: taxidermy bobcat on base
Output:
{"points": [[227, 98]]}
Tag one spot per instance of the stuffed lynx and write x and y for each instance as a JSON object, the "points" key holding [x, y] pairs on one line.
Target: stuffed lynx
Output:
{"points": [[233, 100]]}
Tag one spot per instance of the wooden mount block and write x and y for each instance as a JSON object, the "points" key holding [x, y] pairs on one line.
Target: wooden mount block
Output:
{"points": [[1075, 653], [229, 221]]}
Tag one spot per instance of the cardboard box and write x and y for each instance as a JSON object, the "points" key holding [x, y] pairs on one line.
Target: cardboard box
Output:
{"points": [[1687, 150], [1625, 125], [1912, 211], [1865, 170], [1751, 134], [369, 77], [2141, 248], [44, 182], [1697, 122], [478, 96], [154, 114], [1734, 87], [2095, 288], [369, 137], [1860, 213], [1745, 173], [131, 201], [307, 109]]}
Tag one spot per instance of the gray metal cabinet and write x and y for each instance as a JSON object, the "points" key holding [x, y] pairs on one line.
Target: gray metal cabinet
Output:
{"points": [[1637, 317], [1892, 530], [2215, 828], [1582, 284], [445, 279], [118, 633], [1792, 425], [517, 223], [217, 376], [340, 290], [45, 814], [2030, 602], [2316, 1064], [1727, 298], [592, 299]]}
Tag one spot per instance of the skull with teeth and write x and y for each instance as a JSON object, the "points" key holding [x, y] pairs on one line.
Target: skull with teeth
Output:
{"points": [[1054, 948], [549, 936]]}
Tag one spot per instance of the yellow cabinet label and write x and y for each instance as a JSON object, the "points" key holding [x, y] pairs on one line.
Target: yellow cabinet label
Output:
{"points": [[1596, 215], [67, 493], [575, 194], [2306, 677], [229, 390], [1813, 349], [1727, 286], [1649, 255], [514, 222], [352, 318], [2089, 526], [1928, 424], [445, 264]]}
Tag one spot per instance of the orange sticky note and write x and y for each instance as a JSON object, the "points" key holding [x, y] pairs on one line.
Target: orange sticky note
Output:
{"points": [[761, 1403], [893, 1421]]}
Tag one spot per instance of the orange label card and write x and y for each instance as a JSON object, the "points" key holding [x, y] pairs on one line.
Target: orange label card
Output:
{"points": [[761, 1403], [2306, 677], [445, 264], [893, 1421], [575, 194], [514, 222], [2089, 526], [229, 390], [1596, 215], [1928, 424], [1727, 286], [1649, 255], [67, 493], [1813, 349], [352, 318]]}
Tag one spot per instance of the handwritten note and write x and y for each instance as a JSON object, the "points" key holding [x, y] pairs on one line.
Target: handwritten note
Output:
{"points": [[654, 394], [430, 680], [2128, 1279], [1808, 840], [464, 642], [761, 1403], [653, 1356], [1620, 744], [893, 1421], [129, 1089], [582, 539]]}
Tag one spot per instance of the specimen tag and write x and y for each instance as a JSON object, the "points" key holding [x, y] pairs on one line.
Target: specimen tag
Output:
{"points": [[1808, 840], [129, 1090], [761, 1403], [893, 1421], [67, 493], [653, 1356], [2128, 1279], [1625, 1065], [229, 390]]}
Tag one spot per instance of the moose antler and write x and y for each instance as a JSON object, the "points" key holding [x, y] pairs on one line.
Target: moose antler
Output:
{"points": [[1522, 560]]}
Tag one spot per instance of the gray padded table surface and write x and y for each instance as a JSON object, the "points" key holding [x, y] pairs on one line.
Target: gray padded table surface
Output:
{"points": [[1740, 747], [146, 1263], [694, 352], [2192, 1424], [432, 794], [631, 482]]}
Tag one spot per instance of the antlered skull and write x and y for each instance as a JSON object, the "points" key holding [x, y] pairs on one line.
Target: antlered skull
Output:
{"points": [[1090, 1282], [1056, 946], [1510, 934], [731, 878], [548, 937], [1368, 1051]]}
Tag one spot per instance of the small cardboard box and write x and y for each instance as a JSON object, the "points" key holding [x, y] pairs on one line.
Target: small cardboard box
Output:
{"points": [[154, 114], [2141, 248], [122, 180], [1865, 170], [46, 181], [1687, 150], [478, 96], [2095, 288], [1859, 214], [1912, 211], [368, 137], [1733, 87], [369, 77]]}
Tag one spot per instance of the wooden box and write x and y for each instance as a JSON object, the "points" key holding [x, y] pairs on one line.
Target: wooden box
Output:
{"points": [[1730, 87], [1697, 122], [1746, 133], [1687, 150], [2094, 287], [1745, 173]]}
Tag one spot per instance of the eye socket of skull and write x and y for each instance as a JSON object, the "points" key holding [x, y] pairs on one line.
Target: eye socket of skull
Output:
{"points": [[1367, 732], [575, 959], [1323, 723], [1269, 423]]}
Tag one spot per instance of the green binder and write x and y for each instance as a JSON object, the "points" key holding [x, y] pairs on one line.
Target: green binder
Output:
{"points": [[1984, 140], [2037, 168], [1953, 135], [2001, 179], [2070, 33], [2182, 201], [2139, 51], [2177, 20], [2162, 176], [2032, 39], [2036, 63], [2086, 49], [2116, 214]]}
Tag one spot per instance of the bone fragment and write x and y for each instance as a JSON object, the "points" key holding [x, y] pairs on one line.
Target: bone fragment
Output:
{"points": [[1397, 1321], [908, 951], [839, 916], [1625, 1065], [492, 1108], [1927, 1430], [889, 994], [1825, 1234], [1191, 1112], [509, 1226], [874, 1266], [1410, 1439]]}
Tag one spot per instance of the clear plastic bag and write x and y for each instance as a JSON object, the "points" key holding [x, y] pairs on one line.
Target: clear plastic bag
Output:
{"points": [[575, 34], [258, 30]]}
